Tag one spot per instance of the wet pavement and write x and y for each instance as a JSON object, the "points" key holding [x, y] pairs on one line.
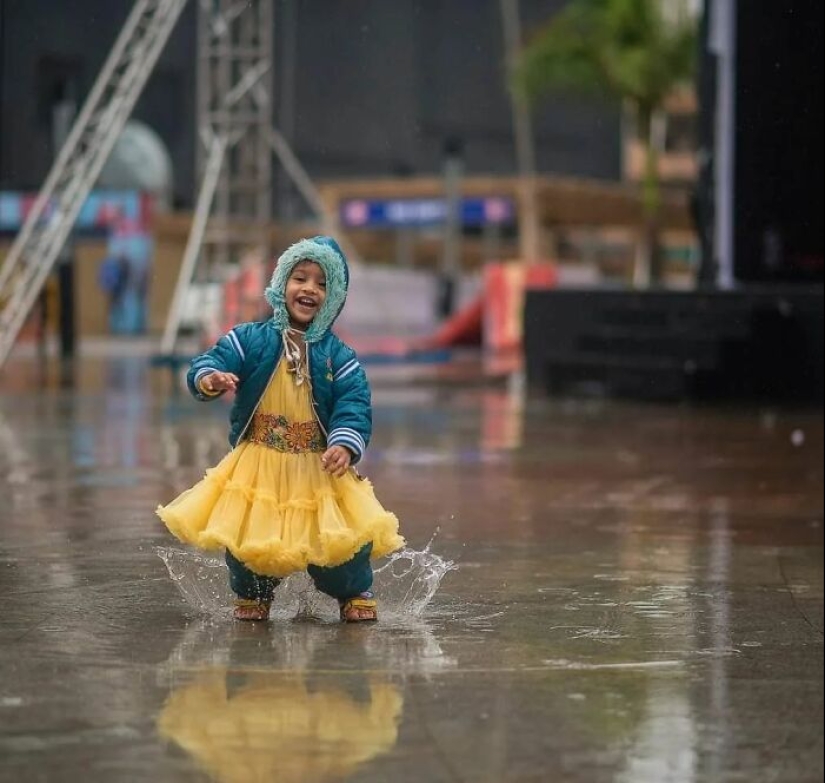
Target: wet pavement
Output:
{"points": [[639, 598]]}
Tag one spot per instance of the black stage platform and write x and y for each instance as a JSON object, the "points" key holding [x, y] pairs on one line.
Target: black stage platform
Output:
{"points": [[753, 344]]}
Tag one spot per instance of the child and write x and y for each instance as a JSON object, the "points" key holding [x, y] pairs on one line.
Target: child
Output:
{"points": [[286, 498]]}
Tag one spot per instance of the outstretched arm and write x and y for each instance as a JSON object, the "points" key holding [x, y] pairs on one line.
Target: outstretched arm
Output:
{"points": [[220, 369]]}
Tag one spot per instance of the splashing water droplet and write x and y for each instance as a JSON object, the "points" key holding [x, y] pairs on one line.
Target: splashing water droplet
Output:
{"points": [[406, 584]]}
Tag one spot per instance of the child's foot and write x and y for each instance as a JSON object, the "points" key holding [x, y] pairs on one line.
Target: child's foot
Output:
{"points": [[251, 611], [361, 609]]}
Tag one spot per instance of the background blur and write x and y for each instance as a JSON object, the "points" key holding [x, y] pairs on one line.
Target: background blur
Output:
{"points": [[440, 141]]}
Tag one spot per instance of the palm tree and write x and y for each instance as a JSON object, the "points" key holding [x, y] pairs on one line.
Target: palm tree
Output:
{"points": [[638, 51]]}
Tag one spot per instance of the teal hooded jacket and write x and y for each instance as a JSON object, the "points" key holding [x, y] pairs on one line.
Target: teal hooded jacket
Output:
{"points": [[340, 390]]}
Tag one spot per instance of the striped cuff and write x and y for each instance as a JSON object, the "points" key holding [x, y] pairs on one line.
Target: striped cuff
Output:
{"points": [[349, 439]]}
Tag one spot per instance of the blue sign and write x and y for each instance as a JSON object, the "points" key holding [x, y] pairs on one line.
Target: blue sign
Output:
{"points": [[101, 211], [425, 212]]}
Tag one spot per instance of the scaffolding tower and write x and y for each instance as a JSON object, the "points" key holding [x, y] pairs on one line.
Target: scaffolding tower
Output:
{"points": [[38, 244], [235, 59], [236, 141]]}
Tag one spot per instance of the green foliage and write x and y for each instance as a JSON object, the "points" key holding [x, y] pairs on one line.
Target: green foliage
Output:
{"points": [[624, 48], [630, 50]]}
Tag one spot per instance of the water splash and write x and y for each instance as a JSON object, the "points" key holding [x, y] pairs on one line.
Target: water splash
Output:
{"points": [[406, 585], [410, 580], [201, 580]]}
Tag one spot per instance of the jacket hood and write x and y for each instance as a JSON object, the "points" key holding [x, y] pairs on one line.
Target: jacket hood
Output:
{"points": [[327, 253]]}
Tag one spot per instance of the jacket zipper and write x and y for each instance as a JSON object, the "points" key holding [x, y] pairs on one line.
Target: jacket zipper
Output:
{"points": [[312, 396]]}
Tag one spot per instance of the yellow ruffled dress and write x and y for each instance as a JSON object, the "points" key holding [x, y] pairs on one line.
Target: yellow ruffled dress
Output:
{"points": [[270, 502]]}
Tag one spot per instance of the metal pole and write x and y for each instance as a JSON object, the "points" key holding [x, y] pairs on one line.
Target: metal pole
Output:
{"points": [[453, 227], [66, 286], [289, 41], [235, 84], [3, 50], [529, 228], [723, 45], [211, 178], [63, 116]]}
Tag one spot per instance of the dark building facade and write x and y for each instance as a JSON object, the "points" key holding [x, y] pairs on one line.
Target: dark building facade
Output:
{"points": [[367, 88], [778, 194], [780, 125]]}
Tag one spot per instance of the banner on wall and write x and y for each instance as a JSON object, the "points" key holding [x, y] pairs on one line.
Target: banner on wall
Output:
{"points": [[100, 214], [426, 212]]}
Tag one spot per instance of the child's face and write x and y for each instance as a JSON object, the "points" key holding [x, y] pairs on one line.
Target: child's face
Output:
{"points": [[306, 292]]}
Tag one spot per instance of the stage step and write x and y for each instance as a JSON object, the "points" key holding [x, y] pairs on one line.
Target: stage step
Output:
{"points": [[676, 345]]}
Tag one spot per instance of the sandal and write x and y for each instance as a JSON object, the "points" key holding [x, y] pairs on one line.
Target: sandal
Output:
{"points": [[251, 611], [361, 609]]}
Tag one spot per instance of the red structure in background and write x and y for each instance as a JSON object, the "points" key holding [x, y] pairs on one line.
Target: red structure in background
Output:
{"points": [[495, 319], [492, 321], [243, 293]]}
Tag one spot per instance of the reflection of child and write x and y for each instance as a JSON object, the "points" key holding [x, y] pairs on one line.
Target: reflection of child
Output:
{"points": [[271, 726], [286, 499]]}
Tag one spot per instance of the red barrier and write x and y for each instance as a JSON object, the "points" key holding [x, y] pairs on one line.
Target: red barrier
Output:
{"points": [[504, 288], [463, 329], [494, 320]]}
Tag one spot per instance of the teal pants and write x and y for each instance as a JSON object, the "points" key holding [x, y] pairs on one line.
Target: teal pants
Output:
{"points": [[342, 582]]}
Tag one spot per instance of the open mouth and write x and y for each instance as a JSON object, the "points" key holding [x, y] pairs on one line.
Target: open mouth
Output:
{"points": [[304, 301]]}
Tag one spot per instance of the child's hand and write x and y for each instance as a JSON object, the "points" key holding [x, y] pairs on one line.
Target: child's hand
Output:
{"points": [[219, 382], [337, 461]]}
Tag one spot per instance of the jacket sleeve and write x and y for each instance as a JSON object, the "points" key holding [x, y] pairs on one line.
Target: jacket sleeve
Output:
{"points": [[351, 421], [227, 355]]}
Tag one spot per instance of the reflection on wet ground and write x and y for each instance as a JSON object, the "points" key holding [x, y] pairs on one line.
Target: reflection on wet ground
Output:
{"points": [[639, 598]]}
